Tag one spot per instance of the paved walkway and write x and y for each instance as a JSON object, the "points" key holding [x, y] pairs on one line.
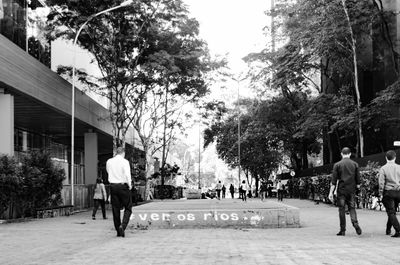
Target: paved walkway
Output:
{"points": [[79, 240]]}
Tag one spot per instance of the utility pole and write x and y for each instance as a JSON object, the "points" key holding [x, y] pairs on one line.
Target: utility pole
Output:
{"points": [[238, 99], [199, 152]]}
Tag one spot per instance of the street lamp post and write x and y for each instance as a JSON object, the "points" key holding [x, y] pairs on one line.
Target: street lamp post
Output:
{"points": [[123, 4], [238, 99], [199, 155]]}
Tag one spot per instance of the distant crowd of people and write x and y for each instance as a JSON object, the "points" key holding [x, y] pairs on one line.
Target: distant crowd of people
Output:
{"points": [[267, 190]]}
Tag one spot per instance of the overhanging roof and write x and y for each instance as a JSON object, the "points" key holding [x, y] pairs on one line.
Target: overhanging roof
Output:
{"points": [[43, 99]]}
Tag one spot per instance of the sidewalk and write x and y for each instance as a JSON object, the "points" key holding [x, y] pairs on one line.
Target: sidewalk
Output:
{"points": [[79, 240]]}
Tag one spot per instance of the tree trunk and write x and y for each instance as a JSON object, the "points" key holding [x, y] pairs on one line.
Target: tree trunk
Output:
{"points": [[356, 84], [164, 138], [330, 148]]}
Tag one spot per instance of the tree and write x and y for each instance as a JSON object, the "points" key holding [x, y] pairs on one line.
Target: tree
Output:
{"points": [[134, 48], [326, 37], [259, 157]]}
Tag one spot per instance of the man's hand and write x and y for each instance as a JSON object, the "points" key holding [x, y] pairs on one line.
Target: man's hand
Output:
{"points": [[332, 189], [330, 196]]}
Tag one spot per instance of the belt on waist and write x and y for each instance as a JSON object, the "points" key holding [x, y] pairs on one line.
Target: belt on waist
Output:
{"points": [[119, 183]]}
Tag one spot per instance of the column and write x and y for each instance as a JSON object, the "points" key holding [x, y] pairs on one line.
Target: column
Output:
{"points": [[91, 157], [7, 123], [24, 141]]}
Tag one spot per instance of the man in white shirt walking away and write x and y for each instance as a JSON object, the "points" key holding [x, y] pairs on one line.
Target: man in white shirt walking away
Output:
{"points": [[389, 190], [119, 176]]}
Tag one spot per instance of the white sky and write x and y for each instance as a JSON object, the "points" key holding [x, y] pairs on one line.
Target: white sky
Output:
{"points": [[231, 26]]}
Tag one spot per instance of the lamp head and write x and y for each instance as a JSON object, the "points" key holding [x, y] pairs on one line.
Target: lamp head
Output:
{"points": [[126, 3]]}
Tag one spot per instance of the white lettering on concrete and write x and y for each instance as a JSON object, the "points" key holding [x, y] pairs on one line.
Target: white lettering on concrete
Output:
{"points": [[206, 215], [224, 217], [191, 217], [254, 219], [181, 217], [155, 217], [143, 217], [166, 216], [234, 217], [216, 216]]}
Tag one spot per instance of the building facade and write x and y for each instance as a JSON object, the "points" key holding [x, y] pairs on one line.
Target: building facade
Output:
{"points": [[36, 107]]}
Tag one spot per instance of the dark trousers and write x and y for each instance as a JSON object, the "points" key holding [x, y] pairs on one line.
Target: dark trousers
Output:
{"points": [[244, 196], [232, 194], [121, 198], [219, 194], [100, 202], [390, 200], [280, 195], [223, 194], [389, 223], [342, 201]]}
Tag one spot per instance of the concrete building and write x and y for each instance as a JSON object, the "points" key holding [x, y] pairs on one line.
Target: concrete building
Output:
{"points": [[35, 108]]}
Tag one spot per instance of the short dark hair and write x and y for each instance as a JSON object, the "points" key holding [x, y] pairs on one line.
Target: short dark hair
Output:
{"points": [[99, 180], [120, 150], [390, 155], [346, 151]]}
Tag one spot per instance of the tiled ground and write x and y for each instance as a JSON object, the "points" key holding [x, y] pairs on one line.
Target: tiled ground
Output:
{"points": [[79, 240]]}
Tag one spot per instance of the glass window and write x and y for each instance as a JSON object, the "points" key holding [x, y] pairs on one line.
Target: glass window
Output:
{"points": [[13, 21]]}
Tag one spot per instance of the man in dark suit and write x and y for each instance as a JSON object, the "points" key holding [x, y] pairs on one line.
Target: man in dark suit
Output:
{"points": [[346, 179]]}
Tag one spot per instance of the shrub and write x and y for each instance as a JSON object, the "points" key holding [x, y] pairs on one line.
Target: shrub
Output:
{"points": [[10, 182], [42, 182], [321, 184]]}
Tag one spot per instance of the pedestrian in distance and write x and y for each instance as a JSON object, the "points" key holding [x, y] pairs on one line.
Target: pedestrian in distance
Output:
{"points": [[389, 191], [279, 190], [346, 179], [244, 188], [99, 198], [223, 189], [302, 186], [269, 189], [218, 188], [232, 190], [263, 190], [119, 176]]}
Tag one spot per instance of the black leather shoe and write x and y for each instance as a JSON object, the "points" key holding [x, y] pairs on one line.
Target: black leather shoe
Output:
{"points": [[358, 229], [341, 233], [397, 234], [388, 232], [121, 231]]}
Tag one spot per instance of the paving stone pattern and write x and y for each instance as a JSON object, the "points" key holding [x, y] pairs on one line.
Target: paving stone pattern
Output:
{"points": [[79, 240]]}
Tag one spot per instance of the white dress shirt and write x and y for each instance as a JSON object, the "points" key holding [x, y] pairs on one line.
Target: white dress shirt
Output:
{"points": [[119, 171]]}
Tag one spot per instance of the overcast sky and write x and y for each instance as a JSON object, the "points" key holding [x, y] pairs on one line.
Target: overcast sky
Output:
{"points": [[231, 26]]}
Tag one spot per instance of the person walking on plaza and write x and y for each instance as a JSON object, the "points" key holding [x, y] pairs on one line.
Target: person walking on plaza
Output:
{"points": [[232, 190], [389, 190], [279, 190], [302, 185], [119, 176], [346, 179], [244, 190], [218, 188], [263, 190], [223, 191], [99, 198]]}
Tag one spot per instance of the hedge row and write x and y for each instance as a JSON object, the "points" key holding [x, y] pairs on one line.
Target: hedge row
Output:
{"points": [[31, 183], [317, 187]]}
